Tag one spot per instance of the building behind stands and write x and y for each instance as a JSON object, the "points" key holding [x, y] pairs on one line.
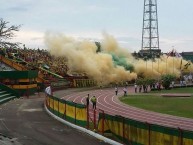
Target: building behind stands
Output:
{"points": [[187, 56]]}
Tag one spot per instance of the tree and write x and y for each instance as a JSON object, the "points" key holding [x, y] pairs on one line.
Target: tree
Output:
{"points": [[7, 33], [167, 79], [145, 81]]}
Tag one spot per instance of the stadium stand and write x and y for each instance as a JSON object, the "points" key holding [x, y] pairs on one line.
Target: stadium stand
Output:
{"points": [[51, 70]]}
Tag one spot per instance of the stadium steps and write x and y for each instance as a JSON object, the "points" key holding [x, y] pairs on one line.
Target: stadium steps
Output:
{"points": [[5, 96]]}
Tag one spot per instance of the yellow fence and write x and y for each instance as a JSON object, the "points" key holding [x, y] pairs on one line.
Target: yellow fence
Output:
{"points": [[70, 111], [139, 133]]}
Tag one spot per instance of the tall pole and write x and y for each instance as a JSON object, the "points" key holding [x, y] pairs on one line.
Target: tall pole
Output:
{"points": [[146, 62], [166, 64], [173, 57], [173, 64], [152, 61], [146, 65], [150, 35], [150, 23], [158, 65]]}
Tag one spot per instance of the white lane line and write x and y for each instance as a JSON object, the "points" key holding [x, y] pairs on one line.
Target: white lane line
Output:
{"points": [[142, 116], [149, 113], [124, 106]]}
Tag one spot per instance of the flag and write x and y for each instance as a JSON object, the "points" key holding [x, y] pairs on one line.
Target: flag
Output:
{"points": [[187, 65], [181, 64]]}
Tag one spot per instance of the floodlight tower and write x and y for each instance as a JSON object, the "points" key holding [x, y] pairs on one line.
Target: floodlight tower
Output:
{"points": [[150, 34]]}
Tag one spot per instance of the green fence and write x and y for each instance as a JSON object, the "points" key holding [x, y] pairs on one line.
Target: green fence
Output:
{"points": [[69, 111], [139, 133], [128, 131], [18, 74]]}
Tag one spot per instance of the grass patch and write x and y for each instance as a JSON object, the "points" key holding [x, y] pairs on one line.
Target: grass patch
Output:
{"points": [[167, 105], [176, 90]]}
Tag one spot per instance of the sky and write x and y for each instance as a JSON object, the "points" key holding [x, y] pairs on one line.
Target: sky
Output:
{"points": [[89, 19]]}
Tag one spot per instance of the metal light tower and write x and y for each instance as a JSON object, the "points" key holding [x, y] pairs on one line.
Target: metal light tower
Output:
{"points": [[150, 35]]}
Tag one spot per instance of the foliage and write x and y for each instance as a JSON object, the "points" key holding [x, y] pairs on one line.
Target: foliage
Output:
{"points": [[167, 79], [7, 33], [145, 81]]}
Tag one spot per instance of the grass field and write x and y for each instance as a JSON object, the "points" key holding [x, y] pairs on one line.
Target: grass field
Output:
{"points": [[167, 105], [176, 90]]}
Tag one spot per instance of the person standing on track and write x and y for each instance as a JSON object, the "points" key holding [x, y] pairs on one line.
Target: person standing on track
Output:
{"points": [[125, 91], [135, 85], [87, 101], [116, 91], [94, 100]]}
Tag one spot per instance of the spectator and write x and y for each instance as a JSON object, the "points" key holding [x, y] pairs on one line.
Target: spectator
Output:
{"points": [[135, 85], [48, 90], [94, 101], [87, 101], [140, 88], [125, 91], [116, 91]]}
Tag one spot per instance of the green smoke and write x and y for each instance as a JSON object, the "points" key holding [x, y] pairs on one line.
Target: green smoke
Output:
{"points": [[121, 61]]}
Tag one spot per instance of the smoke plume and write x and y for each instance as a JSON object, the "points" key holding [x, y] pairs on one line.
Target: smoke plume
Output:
{"points": [[113, 64], [82, 57]]}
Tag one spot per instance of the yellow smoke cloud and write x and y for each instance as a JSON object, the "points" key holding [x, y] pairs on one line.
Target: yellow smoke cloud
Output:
{"points": [[164, 65], [82, 57]]}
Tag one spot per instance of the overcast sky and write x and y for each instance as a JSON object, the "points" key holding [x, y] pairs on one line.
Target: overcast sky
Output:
{"points": [[88, 19]]}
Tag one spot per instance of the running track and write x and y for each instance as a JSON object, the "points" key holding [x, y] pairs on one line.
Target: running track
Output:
{"points": [[107, 101]]}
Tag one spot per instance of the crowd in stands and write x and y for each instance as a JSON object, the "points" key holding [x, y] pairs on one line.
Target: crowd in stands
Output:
{"points": [[36, 58]]}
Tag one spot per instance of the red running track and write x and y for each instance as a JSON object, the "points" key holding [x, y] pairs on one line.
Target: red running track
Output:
{"points": [[107, 101]]}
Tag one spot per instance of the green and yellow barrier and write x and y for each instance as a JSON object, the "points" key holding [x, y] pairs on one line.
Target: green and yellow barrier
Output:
{"points": [[70, 111], [139, 133], [84, 83]]}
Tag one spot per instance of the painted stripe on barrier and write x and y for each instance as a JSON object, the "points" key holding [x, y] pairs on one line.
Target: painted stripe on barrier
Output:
{"points": [[96, 135]]}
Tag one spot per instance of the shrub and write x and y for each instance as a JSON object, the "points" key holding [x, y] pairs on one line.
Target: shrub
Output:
{"points": [[167, 79]]}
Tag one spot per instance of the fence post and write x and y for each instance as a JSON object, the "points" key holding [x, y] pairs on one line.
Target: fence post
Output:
{"points": [[49, 101], [64, 110], [46, 101], [75, 114], [51, 90], [123, 121], [53, 104], [58, 107], [181, 136], [87, 108], [103, 120], [149, 133], [94, 119]]}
